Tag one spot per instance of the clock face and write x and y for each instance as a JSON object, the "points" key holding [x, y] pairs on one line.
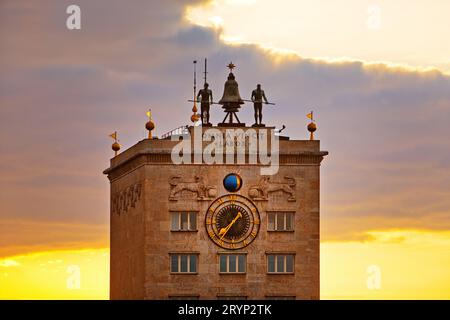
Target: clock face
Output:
{"points": [[232, 221]]}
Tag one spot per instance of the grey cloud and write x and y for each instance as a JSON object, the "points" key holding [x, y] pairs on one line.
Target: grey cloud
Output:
{"points": [[62, 93]]}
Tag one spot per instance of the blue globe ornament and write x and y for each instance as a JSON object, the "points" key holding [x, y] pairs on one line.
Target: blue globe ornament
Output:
{"points": [[232, 182]]}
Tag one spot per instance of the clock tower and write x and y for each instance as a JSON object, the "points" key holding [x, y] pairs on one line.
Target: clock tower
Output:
{"points": [[187, 223]]}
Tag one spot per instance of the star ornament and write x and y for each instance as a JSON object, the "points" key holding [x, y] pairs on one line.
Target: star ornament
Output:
{"points": [[231, 66]]}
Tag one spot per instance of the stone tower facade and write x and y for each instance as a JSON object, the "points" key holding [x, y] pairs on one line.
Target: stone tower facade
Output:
{"points": [[169, 223]]}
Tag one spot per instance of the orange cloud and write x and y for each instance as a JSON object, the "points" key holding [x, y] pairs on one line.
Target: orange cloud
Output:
{"points": [[28, 236]]}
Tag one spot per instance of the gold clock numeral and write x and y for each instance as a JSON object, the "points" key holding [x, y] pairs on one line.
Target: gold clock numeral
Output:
{"points": [[245, 243], [214, 221], [232, 246], [253, 234], [256, 221], [220, 242], [212, 234], [253, 210], [208, 221]]}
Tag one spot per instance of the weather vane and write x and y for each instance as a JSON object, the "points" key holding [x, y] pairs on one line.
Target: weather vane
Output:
{"points": [[115, 146], [312, 127]]}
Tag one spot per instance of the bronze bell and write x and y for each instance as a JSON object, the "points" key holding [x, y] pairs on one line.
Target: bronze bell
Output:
{"points": [[231, 99]]}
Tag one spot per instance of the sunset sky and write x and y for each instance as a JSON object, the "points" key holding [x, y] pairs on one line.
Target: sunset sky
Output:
{"points": [[376, 74]]}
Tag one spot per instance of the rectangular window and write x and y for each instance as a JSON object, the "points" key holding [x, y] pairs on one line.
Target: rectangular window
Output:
{"points": [[184, 221], [232, 263], [175, 222], [280, 263], [183, 263], [271, 263], [193, 263], [193, 220], [241, 263], [289, 263], [223, 263], [280, 221], [174, 263], [271, 219]]}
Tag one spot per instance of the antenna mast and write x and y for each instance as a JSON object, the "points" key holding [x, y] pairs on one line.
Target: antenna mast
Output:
{"points": [[206, 70], [195, 116], [195, 79]]}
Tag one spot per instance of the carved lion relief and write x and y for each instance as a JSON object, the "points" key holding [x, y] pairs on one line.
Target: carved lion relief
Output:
{"points": [[196, 189], [261, 190], [126, 199]]}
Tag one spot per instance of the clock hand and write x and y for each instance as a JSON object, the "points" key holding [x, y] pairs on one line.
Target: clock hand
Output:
{"points": [[224, 231]]}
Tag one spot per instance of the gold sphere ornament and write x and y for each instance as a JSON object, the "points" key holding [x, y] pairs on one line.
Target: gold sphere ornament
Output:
{"points": [[115, 146], [312, 128], [195, 117], [150, 125]]}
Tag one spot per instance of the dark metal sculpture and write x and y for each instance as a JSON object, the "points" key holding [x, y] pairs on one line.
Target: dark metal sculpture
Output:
{"points": [[258, 96], [231, 100], [206, 99]]}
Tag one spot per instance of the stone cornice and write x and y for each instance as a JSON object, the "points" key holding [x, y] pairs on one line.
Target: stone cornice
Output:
{"points": [[163, 157]]}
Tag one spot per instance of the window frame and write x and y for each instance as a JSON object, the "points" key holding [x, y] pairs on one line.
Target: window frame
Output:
{"points": [[227, 262], [179, 213], [275, 223], [276, 255], [188, 254]]}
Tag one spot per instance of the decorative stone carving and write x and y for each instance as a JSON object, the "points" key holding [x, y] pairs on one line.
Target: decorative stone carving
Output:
{"points": [[124, 200], [265, 186], [197, 189]]}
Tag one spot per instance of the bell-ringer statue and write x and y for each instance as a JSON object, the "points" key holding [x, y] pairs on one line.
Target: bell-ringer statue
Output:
{"points": [[257, 97], [206, 101]]}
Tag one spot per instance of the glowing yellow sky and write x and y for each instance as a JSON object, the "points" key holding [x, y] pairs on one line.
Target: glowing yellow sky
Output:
{"points": [[412, 33], [54, 275], [413, 265]]}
